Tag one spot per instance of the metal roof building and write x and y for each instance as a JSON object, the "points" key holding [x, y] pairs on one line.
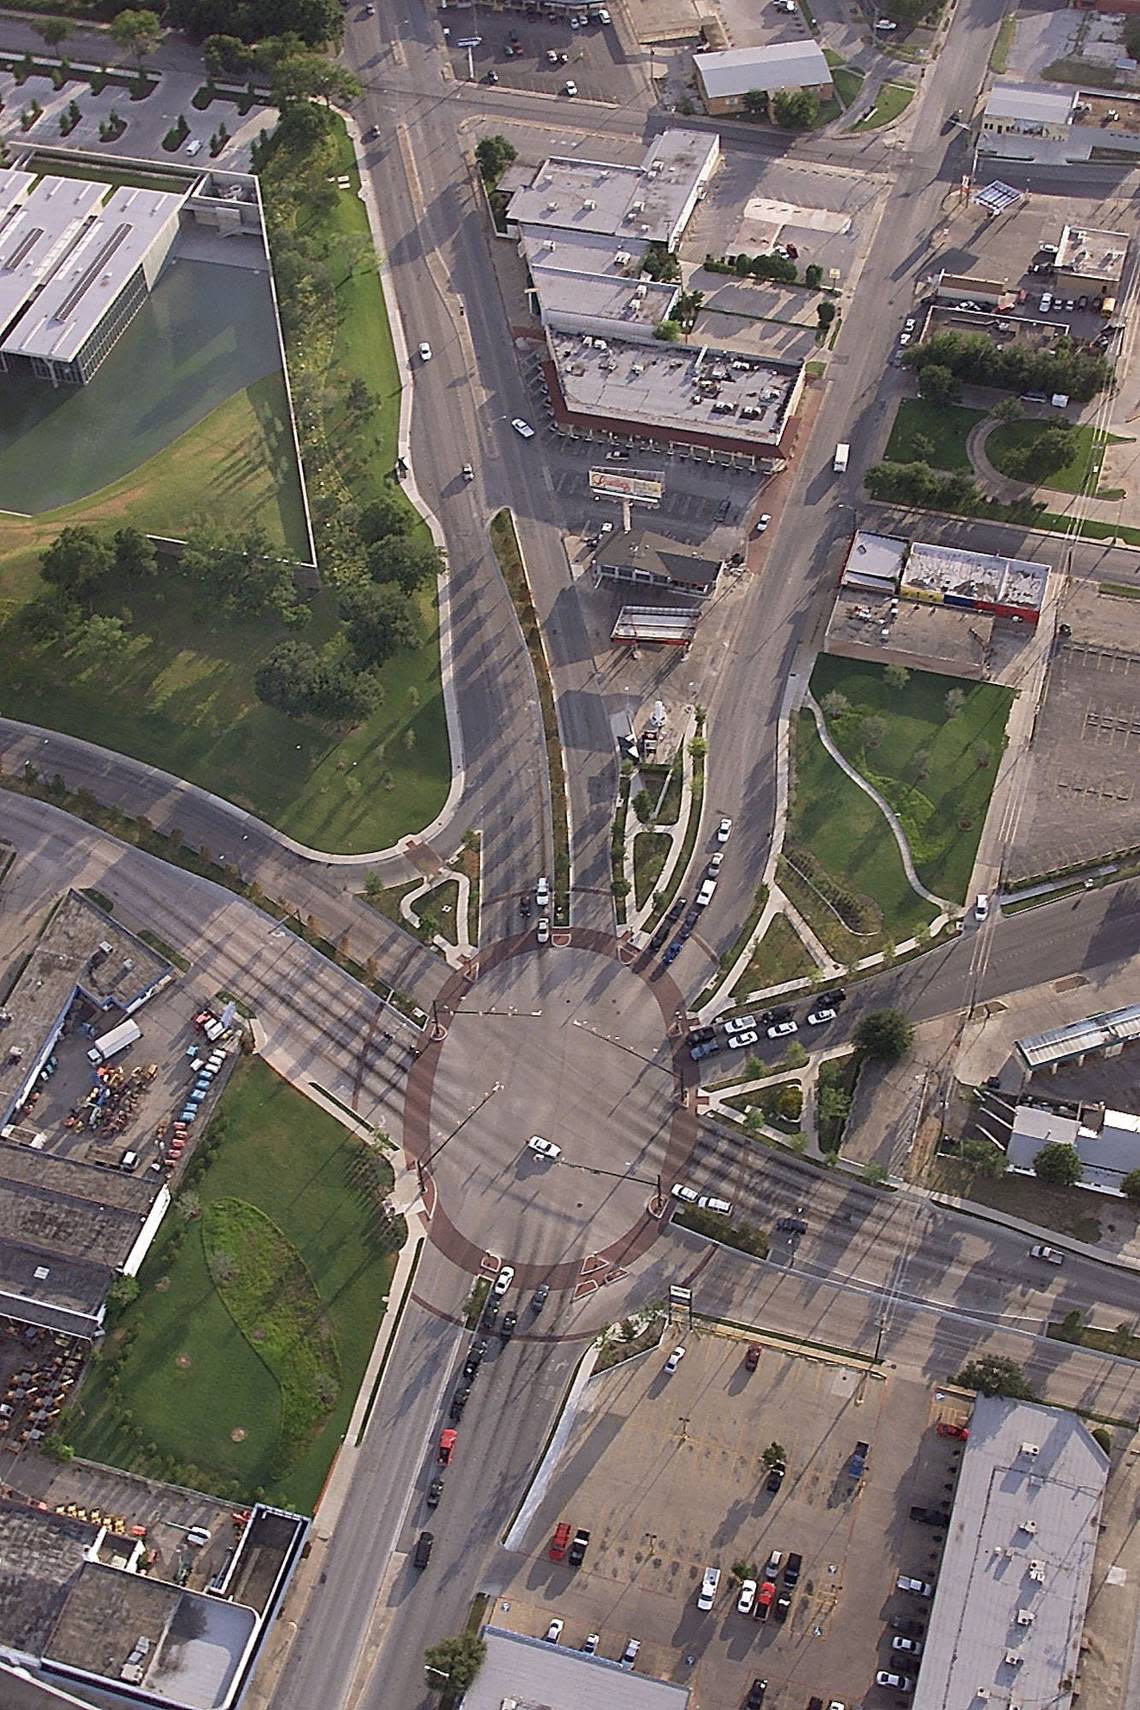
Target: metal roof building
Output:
{"points": [[1107, 1034], [730, 75], [1107, 1142], [532, 1675], [1014, 1583], [1024, 103]]}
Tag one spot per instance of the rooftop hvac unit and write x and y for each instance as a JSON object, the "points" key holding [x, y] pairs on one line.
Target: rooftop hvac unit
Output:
{"points": [[1029, 1526], [1025, 1617], [644, 230], [1014, 1658], [1030, 1448], [588, 203], [622, 258], [549, 243], [637, 368], [636, 207], [1037, 1572], [641, 290]]}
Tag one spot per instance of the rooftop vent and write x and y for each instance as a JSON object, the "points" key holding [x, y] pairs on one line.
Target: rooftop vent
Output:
{"points": [[1037, 1572], [1029, 1526], [1025, 1617], [1030, 1449], [589, 203], [1014, 1658]]}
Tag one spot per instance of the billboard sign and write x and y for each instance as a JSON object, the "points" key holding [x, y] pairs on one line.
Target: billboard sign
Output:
{"points": [[641, 489]]}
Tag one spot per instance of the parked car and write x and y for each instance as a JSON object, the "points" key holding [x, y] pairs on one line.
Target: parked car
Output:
{"points": [[752, 1357], [747, 1597], [540, 1296], [560, 1542], [554, 1632], [710, 1583], [765, 1598], [507, 1327], [674, 1359], [523, 429], [591, 1644], [833, 999], [762, 522], [947, 1428], [490, 1314], [792, 1226], [434, 1492], [579, 1547], [781, 1029], [741, 1041], [459, 1401], [628, 1657], [446, 1447], [910, 1647], [1050, 1255], [544, 1148], [724, 831], [715, 863], [570, 88], [504, 1280], [885, 26], [475, 1357], [710, 1048], [904, 1624], [425, 351], [756, 1695], [792, 1569], [422, 1555], [542, 929], [740, 1024], [709, 1202], [773, 1566], [775, 1478], [819, 1017], [900, 1682], [916, 1587], [781, 1608], [701, 1035], [982, 907], [687, 1195]]}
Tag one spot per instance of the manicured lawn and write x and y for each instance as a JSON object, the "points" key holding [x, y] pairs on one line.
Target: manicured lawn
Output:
{"points": [[779, 956], [943, 812], [893, 100], [1079, 475], [946, 426], [847, 82], [650, 849], [291, 1202], [848, 836], [435, 911]]}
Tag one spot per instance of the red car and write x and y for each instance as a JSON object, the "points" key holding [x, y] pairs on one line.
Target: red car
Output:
{"points": [[946, 1429], [446, 1446], [765, 1598], [752, 1357], [560, 1543]]}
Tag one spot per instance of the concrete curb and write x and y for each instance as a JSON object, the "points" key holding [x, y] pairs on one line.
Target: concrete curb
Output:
{"points": [[538, 1484], [1033, 1231]]}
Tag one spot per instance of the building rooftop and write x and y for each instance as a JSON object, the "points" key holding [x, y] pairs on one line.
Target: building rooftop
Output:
{"points": [[1107, 1142], [661, 386], [875, 561], [1098, 254], [585, 252], [533, 1675], [1093, 1033], [947, 572], [671, 626], [1015, 1574], [67, 248], [780, 65], [1026, 101], [564, 295], [643, 548], [945, 638], [69, 956], [647, 201]]}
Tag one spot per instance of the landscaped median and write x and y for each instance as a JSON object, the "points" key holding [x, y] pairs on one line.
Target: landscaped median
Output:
{"points": [[505, 541]]}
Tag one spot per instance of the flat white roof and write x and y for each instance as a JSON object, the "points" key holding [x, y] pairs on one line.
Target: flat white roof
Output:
{"points": [[781, 65], [874, 561], [1093, 1033], [65, 254], [533, 1675], [1025, 101], [584, 252], [645, 201], [602, 297], [1108, 1146], [957, 573], [1087, 250], [1014, 1580]]}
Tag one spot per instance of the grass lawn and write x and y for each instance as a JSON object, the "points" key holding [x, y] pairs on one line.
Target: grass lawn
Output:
{"points": [[848, 836], [942, 812], [848, 83], [999, 55], [290, 1203], [893, 100], [946, 426], [1068, 1211], [650, 849], [779, 956], [435, 911], [1079, 475], [840, 1074]]}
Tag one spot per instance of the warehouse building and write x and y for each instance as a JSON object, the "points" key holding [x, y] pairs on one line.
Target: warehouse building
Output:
{"points": [[1014, 1582], [77, 262], [724, 79]]}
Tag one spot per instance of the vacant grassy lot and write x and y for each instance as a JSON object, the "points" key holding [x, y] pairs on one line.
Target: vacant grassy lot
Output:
{"points": [[216, 1375], [936, 772], [1079, 475], [944, 428], [848, 836], [779, 956]]}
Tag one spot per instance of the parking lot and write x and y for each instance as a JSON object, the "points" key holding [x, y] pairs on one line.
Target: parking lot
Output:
{"points": [[515, 50], [667, 1473]]}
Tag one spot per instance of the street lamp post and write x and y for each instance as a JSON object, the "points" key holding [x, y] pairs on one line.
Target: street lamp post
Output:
{"points": [[423, 1165]]}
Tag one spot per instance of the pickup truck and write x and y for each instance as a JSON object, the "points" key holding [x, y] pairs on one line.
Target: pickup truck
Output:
{"points": [[579, 1547], [859, 1460]]}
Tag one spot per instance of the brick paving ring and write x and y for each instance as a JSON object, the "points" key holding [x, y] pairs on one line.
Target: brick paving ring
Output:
{"points": [[445, 1229]]}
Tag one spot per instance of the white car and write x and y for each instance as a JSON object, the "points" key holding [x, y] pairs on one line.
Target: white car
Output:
{"points": [[781, 1029], [602, 15], [762, 522], [628, 1657], [706, 1596], [740, 1041], [1051, 1255], [570, 88], [193, 148], [688, 1195], [709, 1202], [818, 1017], [425, 351], [674, 1359], [982, 907], [544, 1148], [542, 892], [747, 1597], [542, 930], [900, 1682], [724, 831], [591, 1645], [909, 324], [904, 338], [912, 1647], [504, 1280], [523, 429], [740, 1024], [916, 1587], [886, 25], [706, 893], [714, 865], [554, 1632]]}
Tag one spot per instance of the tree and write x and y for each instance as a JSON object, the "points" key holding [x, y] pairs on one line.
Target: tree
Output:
{"points": [[77, 563], [452, 1664], [835, 703], [283, 680], [834, 1104], [825, 313], [492, 156], [775, 1455], [135, 556], [922, 448], [1058, 1165], [885, 1034], [796, 109], [938, 385], [389, 514], [101, 639], [896, 676], [813, 276], [872, 731], [983, 755], [687, 308], [642, 806], [994, 1374], [668, 331], [137, 33], [124, 1291], [381, 621], [407, 562], [983, 1158], [310, 76], [1008, 410], [1043, 456], [1130, 1187], [225, 56], [755, 102], [53, 31]]}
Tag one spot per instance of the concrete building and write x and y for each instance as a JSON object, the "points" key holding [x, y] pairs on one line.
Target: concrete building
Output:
{"points": [[889, 631], [1027, 110], [638, 555], [76, 265], [84, 1609], [1107, 1142], [532, 1675], [1090, 259], [971, 288], [1013, 1584], [1103, 1035], [650, 203], [724, 79], [975, 581]]}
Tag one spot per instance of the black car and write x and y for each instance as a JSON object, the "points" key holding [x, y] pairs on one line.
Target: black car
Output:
{"points": [[507, 1327], [475, 1358], [490, 1313], [701, 1035], [579, 1547], [434, 1492], [830, 1000], [930, 1516], [792, 1569], [908, 1628], [423, 1549], [540, 1296], [792, 1226], [783, 1606], [776, 1478], [756, 1695], [658, 940], [677, 909], [459, 1401]]}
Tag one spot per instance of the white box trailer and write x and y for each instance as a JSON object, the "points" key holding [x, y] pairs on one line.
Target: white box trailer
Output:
{"points": [[842, 453], [112, 1043]]}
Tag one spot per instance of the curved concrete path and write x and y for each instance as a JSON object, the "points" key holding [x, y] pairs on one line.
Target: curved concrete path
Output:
{"points": [[887, 812]]}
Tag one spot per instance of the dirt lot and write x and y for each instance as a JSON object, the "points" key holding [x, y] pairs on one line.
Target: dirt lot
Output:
{"points": [[666, 1471]]}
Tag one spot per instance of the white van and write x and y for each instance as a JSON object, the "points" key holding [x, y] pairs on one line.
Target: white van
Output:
{"points": [[706, 893], [706, 1596]]}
